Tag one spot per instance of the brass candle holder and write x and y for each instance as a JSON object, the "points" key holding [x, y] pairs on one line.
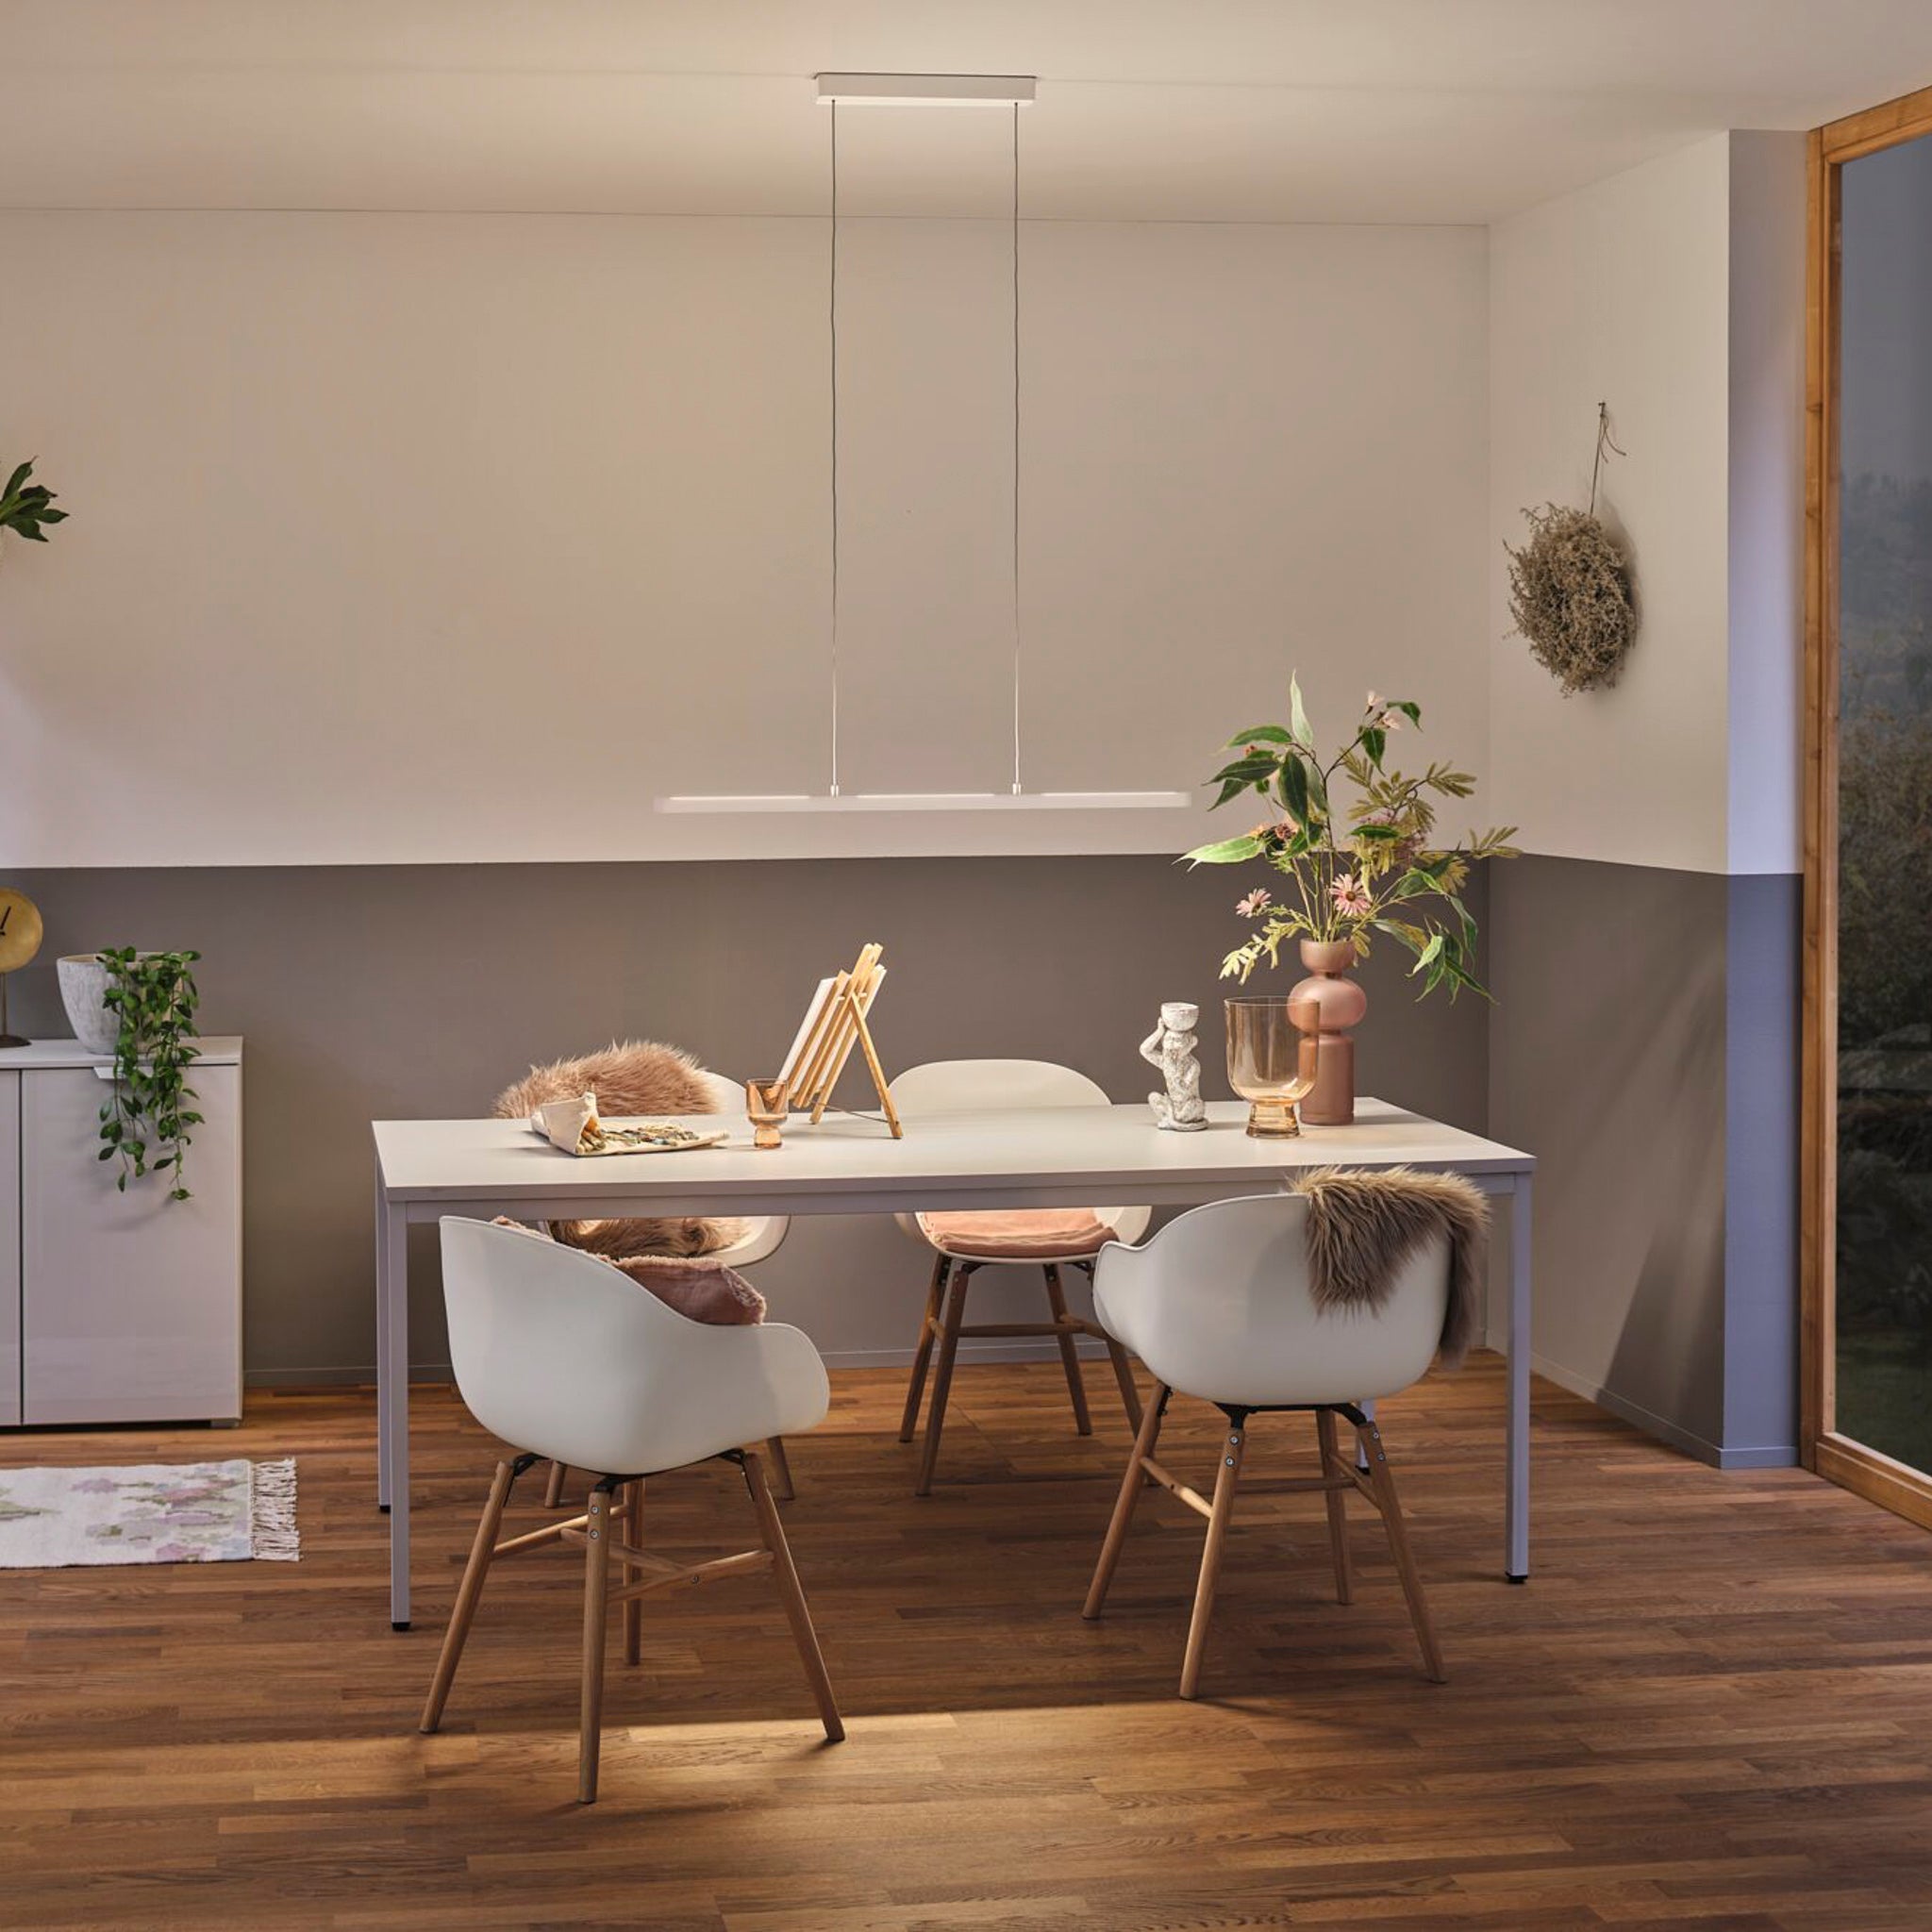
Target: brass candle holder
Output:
{"points": [[766, 1104]]}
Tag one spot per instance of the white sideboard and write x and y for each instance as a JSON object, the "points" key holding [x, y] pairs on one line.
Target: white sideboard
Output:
{"points": [[116, 1308]]}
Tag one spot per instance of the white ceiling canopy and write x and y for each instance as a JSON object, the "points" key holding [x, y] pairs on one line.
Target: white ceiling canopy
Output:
{"points": [[1244, 110]]}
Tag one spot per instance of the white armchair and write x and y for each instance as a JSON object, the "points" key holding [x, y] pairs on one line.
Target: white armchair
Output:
{"points": [[1218, 1305], [961, 1245], [764, 1234], [560, 1354]]}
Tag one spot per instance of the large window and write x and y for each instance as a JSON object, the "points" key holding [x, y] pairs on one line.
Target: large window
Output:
{"points": [[1869, 1372]]}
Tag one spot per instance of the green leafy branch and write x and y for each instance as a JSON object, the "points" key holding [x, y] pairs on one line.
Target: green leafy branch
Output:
{"points": [[24, 507], [147, 1122], [1371, 865]]}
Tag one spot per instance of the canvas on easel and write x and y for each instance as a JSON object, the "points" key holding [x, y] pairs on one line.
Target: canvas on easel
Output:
{"points": [[835, 1022]]}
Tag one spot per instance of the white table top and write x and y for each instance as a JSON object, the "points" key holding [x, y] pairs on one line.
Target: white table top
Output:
{"points": [[1029, 1157], [216, 1051]]}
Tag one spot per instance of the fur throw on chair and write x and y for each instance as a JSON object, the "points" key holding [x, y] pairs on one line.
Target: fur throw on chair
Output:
{"points": [[633, 1076], [1362, 1226]]}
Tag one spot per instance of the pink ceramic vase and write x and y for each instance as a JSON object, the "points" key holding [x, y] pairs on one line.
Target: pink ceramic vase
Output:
{"points": [[1338, 1005]]}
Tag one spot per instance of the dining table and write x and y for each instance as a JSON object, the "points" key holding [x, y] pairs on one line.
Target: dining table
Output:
{"points": [[1093, 1155]]}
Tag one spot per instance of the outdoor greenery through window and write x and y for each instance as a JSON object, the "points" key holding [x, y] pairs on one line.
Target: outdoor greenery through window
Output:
{"points": [[1884, 1247]]}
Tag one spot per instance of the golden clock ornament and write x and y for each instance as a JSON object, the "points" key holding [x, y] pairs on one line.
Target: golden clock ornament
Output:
{"points": [[20, 940]]}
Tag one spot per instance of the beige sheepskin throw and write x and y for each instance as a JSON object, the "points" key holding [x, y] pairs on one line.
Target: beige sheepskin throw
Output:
{"points": [[1363, 1226], [632, 1076]]}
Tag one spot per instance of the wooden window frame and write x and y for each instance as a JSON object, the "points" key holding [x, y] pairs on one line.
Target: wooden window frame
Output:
{"points": [[1853, 1464]]}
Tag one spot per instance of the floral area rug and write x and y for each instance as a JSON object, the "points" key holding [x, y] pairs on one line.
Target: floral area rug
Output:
{"points": [[184, 1512]]}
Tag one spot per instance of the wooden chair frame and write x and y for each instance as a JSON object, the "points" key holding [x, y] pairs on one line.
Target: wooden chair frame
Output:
{"points": [[782, 1486], [1338, 1475], [945, 1323], [619, 1501]]}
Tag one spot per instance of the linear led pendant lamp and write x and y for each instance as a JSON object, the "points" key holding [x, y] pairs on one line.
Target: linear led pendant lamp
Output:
{"points": [[1009, 92]]}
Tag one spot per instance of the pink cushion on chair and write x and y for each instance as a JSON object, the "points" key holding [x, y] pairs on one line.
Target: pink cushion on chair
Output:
{"points": [[1044, 1234], [698, 1288]]}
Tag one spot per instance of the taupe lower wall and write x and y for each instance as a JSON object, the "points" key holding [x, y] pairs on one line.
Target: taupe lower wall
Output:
{"points": [[1643, 1046], [395, 992]]}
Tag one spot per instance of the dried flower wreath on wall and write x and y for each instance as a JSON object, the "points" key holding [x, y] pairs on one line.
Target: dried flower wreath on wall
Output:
{"points": [[1570, 587]]}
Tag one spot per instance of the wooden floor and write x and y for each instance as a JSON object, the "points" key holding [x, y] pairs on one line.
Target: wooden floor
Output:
{"points": [[1711, 1708]]}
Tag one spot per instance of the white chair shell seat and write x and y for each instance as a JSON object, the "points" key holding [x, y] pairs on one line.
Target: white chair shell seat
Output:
{"points": [[625, 1385], [1218, 1305], [955, 1086], [562, 1355], [1251, 1334]]}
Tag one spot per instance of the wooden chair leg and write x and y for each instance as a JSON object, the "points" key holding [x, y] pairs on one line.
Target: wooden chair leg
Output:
{"points": [[1123, 1364], [1386, 1502], [597, 1590], [1335, 1469], [553, 1485], [468, 1591], [1123, 1375], [1233, 1447], [1070, 1356], [633, 1607], [1131, 1483], [943, 1377], [786, 1490], [793, 1596], [928, 1329]]}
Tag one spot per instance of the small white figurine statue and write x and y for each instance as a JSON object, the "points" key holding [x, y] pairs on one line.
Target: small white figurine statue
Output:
{"points": [[1171, 1047]]}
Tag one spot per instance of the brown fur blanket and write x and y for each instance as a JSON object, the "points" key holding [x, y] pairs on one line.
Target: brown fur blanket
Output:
{"points": [[632, 1076], [1362, 1226]]}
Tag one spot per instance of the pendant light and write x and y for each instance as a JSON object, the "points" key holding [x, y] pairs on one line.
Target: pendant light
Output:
{"points": [[1012, 93]]}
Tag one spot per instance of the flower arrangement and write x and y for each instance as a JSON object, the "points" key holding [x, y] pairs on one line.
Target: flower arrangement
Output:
{"points": [[1365, 866]]}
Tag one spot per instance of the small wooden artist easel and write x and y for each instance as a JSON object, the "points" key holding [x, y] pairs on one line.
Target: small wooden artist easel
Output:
{"points": [[836, 1023]]}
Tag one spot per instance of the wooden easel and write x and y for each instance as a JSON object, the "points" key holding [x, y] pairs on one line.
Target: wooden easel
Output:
{"points": [[835, 1024]]}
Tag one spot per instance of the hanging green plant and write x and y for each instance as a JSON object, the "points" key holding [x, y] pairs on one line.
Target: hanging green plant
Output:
{"points": [[146, 1123], [24, 507], [1569, 588]]}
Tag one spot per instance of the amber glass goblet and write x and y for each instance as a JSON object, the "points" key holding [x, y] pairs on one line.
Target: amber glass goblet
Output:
{"points": [[766, 1104], [1271, 1060]]}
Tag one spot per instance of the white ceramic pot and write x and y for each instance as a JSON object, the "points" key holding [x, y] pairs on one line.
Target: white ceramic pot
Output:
{"points": [[83, 987]]}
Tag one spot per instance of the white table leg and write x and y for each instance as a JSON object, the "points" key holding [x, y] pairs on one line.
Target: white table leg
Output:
{"points": [[1516, 1504], [382, 1483], [392, 1233]]}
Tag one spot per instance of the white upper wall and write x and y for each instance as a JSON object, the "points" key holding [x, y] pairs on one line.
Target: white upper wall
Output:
{"points": [[459, 537], [1269, 110], [1675, 294], [1767, 503]]}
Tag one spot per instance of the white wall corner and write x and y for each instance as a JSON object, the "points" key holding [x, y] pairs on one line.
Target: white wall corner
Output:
{"points": [[1765, 700], [1619, 293]]}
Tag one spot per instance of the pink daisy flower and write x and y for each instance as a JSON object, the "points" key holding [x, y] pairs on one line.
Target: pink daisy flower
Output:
{"points": [[1254, 903], [1351, 896]]}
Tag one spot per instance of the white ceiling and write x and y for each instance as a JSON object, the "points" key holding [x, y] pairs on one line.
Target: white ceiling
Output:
{"points": [[1340, 110]]}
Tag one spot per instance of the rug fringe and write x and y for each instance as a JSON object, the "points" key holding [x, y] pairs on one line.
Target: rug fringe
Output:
{"points": [[272, 1512]]}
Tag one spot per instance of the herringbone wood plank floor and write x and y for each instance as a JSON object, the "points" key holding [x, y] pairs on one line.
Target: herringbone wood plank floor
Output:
{"points": [[1712, 1708]]}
